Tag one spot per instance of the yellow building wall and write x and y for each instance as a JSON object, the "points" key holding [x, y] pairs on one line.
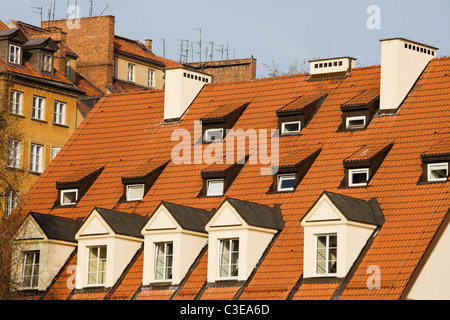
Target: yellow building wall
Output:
{"points": [[141, 71]]}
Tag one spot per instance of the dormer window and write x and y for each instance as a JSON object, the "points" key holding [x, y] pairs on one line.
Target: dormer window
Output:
{"points": [[295, 116], [69, 197], [355, 122], [286, 182], [47, 62], [358, 177], [229, 258], [131, 72], [14, 54], [212, 135], [96, 272], [292, 127], [163, 261], [135, 192], [326, 255], [215, 187], [30, 278], [437, 171]]}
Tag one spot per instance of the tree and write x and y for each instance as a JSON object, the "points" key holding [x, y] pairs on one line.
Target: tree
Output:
{"points": [[294, 68]]}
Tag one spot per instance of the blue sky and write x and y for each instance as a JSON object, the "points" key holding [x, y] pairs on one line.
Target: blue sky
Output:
{"points": [[283, 31]]}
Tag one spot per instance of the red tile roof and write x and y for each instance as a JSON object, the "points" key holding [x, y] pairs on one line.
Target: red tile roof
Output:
{"points": [[127, 129], [3, 26]]}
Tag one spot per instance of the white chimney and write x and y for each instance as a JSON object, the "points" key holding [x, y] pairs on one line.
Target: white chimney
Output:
{"points": [[181, 87], [402, 62], [331, 65]]}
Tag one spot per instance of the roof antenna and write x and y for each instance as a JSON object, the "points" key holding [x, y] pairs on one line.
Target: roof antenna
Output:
{"points": [[90, 8], [104, 9], [38, 12]]}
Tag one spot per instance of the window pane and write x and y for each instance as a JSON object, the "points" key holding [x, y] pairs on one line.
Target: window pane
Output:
{"points": [[286, 182], [215, 187], [213, 135], [69, 197], [356, 123], [135, 192], [438, 171], [291, 127]]}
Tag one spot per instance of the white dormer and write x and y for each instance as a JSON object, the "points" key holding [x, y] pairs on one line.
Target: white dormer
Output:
{"points": [[239, 233], [107, 241], [336, 229], [173, 238]]}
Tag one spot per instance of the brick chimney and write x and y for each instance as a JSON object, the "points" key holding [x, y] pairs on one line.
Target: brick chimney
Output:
{"points": [[148, 44]]}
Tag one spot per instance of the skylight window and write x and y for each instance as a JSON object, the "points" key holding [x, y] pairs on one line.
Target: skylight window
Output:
{"points": [[135, 192], [69, 197], [355, 122], [358, 177], [286, 182], [438, 171], [215, 187], [212, 135], [292, 127]]}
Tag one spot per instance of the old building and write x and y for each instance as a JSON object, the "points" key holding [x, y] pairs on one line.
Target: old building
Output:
{"points": [[326, 185]]}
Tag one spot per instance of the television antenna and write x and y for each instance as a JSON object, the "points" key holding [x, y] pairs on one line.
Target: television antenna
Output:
{"points": [[39, 11]]}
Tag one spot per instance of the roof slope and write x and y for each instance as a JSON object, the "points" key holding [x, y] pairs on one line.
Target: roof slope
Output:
{"points": [[127, 130]]}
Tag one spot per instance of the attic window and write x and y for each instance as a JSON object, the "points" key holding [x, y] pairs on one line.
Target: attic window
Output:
{"points": [[14, 54], [355, 122], [290, 127], [215, 187], [30, 273], [163, 261], [229, 258], [435, 162], [47, 62], [326, 255], [358, 112], [135, 192], [438, 171], [212, 135], [69, 197], [358, 177], [217, 178], [286, 182]]}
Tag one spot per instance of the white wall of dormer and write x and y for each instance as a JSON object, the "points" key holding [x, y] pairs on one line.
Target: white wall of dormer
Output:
{"points": [[120, 249], [162, 227], [253, 241], [53, 253], [324, 218]]}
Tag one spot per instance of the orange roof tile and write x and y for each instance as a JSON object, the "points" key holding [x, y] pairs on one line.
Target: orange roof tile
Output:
{"points": [[155, 294], [3, 26], [220, 293]]}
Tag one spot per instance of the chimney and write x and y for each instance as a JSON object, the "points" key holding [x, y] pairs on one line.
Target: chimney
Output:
{"points": [[182, 86], [402, 62], [148, 44], [331, 68]]}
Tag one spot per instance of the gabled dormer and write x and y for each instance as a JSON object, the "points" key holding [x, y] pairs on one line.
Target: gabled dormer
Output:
{"points": [[359, 111], [292, 169], [362, 165], [11, 46], [173, 237], [39, 52], [296, 115], [138, 181], [42, 245], [336, 229], [216, 123], [73, 187], [238, 234], [107, 241]]}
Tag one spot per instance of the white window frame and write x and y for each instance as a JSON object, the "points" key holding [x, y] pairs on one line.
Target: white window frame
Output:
{"points": [[230, 264], [359, 170], [165, 277], [131, 72], [63, 192], [14, 54], [16, 102], [207, 135], [47, 62], [348, 119], [55, 151], [211, 181], [283, 127], [11, 201], [38, 108], [59, 114], [327, 259], [282, 177], [151, 78], [97, 272], [34, 274], [36, 156], [440, 165], [140, 185], [14, 147]]}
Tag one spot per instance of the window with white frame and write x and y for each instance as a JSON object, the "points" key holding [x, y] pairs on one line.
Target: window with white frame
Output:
{"points": [[47, 63], [131, 72], [68, 197], [59, 112], [163, 261], [30, 273], [151, 78], [38, 108], [55, 151], [212, 135], [11, 199], [14, 54], [215, 187], [13, 153], [16, 102], [36, 157], [286, 182], [358, 122], [229, 258], [96, 266], [135, 192], [326, 254], [290, 127], [358, 177], [437, 171]]}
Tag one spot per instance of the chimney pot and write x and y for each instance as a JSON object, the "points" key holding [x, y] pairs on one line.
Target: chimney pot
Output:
{"points": [[148, 44]]}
